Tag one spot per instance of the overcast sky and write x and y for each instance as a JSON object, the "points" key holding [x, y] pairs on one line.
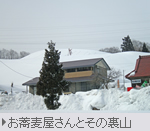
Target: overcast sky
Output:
{"points": [[27, 25]]}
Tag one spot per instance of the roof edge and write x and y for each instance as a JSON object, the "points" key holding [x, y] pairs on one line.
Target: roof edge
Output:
{"points": [[127, 76], [104, 62]]}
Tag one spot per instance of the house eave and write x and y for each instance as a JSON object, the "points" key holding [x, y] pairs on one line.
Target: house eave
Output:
{"points": [[92, 65]]}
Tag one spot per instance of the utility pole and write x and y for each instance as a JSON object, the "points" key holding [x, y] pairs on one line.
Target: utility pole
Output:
{"points": [[11, 87], [123, 81]]}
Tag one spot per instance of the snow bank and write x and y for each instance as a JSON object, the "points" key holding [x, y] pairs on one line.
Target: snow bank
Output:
{"points": [[105, 100], [112, 99], [22, 101]]}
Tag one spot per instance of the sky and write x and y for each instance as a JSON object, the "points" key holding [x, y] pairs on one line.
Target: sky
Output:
{"points": [[28, 25]]}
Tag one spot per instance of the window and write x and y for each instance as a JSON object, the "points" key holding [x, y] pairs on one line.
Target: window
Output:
{"points": [[66, 89], [34, 90], [71, 70], [84, 69], [83, 86]]}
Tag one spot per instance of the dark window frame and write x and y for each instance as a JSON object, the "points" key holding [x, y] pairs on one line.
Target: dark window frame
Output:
{"points": [[84, 69], [71, 70]]}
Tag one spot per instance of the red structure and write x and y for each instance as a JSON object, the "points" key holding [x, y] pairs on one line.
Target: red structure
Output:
{"points": [[129, 88], [141, 72]]}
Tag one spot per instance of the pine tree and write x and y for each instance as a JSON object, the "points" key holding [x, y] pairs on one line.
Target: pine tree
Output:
{"points": [[51, 81], [127, 44], [144, 49]]}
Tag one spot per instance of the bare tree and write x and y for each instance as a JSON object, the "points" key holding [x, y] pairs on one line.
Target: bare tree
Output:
{"points": [[23, 54], [101, 81], [111, 50], [138, 45], [4, 54], [11, 54]]}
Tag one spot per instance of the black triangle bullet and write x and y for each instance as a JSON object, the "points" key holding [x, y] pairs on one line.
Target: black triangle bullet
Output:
{"points": [[3, 121]]}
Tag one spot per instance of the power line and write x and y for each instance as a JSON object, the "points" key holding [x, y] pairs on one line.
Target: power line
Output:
{"points": [[72, 34], [14, 70], [89, 32], [75, 26]]}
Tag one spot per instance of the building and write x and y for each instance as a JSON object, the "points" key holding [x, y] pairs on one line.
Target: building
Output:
{"points": [[80, 73], [32, 85], [141, 73]]}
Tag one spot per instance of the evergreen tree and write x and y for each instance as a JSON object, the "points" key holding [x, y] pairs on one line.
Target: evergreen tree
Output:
{"points": [[144, 49], [127, 44], [51, 81]]}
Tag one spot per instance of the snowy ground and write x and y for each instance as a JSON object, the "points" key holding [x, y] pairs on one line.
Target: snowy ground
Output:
{"points": [[105, 100], [22, 70]]}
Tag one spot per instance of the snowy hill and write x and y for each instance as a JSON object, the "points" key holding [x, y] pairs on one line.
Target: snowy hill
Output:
{"points": [[21, 70]]}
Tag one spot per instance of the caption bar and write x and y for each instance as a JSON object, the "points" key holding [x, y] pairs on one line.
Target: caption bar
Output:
{"points": [[69, 121]]}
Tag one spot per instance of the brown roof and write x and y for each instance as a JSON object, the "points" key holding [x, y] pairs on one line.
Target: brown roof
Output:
{"points": [[82, 63], [32, 82], [142, 67]]}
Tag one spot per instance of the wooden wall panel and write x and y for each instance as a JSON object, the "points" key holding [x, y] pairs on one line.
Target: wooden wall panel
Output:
{"points": [[78, 74]]}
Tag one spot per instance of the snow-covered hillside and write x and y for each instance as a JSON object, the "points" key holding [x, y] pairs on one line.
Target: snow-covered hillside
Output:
{"points": [[22, 70]]}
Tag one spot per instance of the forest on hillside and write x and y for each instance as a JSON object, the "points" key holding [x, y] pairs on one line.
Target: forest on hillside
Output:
{"points": [[128, 45], [11, 54]]}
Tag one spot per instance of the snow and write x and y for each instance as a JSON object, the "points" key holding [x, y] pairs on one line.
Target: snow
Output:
{"points": [[22, 101], [112, 99], [105, 100], [21, 70]]}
